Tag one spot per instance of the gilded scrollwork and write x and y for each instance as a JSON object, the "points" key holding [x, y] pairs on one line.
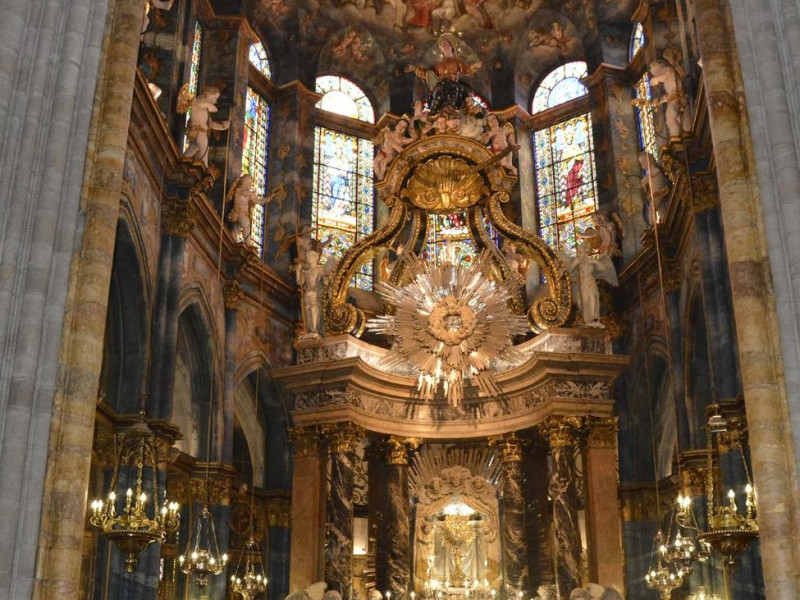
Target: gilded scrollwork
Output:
{"points": [[444, 183]]}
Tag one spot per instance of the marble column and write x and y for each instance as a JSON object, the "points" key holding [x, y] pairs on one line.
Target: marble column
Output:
{"points": [[761, 324], [277, 568], [515, 543], [232, 294], [564, 436], [537, 514], [603, 523], [398, 533], [307, 539], [59, 219], [342, 440], [180, 218]]}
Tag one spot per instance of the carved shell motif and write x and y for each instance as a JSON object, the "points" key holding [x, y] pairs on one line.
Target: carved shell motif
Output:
{"points": [[445, 183]]}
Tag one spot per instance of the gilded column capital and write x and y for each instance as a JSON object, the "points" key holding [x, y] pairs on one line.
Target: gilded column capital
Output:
{"points": [[602, 432], [232, 293], [563, 431], [278, 512], [180, 217], [693, 469], [399, 448], [509, 445], [213, 482], [343, 437], [305, 441]]}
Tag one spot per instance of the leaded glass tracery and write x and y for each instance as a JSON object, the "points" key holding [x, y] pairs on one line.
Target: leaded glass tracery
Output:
{"points": [[561, 85], [343, 200], [254, 159], [449, 240], [645, 116], [565, 181], [194, 70], [259, 59], [638, 40], [343, 97]]}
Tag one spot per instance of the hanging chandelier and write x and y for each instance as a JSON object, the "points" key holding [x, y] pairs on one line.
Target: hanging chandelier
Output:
{"points": [[663, 576], [249, 580], [137, 525], [729, 531], [449, 324], [202, 557]]}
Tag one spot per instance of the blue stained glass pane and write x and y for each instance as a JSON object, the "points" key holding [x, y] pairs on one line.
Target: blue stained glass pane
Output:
{"points": [[561, 85], [194, 70], [638, 40], [254, 160], [343, 198], [645, 116], [343, 97], [258, 57]]}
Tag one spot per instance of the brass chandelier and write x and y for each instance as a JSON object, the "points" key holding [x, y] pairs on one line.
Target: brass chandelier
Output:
{"points": [[140, 522]]}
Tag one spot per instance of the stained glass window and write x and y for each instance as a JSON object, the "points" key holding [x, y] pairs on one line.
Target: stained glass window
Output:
{"points": [[343, 201], [638, 39], [645, 112], [565, 181], [194, 70], [449, 239], [561, 85], [343, 97], [254, 160], [259, 59]]}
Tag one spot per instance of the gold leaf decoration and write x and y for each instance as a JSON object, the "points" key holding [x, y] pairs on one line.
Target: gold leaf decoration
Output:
{"points": [[445, 183]]}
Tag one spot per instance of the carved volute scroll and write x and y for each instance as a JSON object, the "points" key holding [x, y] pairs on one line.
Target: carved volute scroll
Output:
{"points": [[440, 174]]}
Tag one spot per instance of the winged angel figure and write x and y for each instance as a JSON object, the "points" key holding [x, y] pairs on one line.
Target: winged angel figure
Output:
{"points": [[585, 270]]}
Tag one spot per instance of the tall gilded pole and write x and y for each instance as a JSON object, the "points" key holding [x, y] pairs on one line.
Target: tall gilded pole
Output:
{"points": [[564, 435], [342, 440], [398, 538], [515, 543]]}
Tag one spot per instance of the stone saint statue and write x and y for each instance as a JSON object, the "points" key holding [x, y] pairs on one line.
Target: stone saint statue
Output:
{"points": [[200, 121], [586, 270], [243, 198], [310, 282], [500, 139]]}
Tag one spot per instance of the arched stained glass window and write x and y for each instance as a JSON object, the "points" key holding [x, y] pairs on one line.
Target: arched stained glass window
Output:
{"points": [[343, 97], [566, 188], [255, 149], [343, 203], [560, 86], [259, 59], [194, 70], [645, 115], [638, 40], [448, 239]]}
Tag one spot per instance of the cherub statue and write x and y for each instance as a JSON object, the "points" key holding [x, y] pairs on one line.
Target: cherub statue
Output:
{"points": [[670, 77], [387, 265], [500, 139], [419, 120], [472, 119], [654, 184], [446, 79], [605, 233], [546, 592], [518, 263], [313, 592], [585, 270], [242, 196], [200, 121], [393, 143]]}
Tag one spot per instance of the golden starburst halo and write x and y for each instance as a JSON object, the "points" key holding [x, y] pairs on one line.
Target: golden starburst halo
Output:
{"points": [[450, 324]]}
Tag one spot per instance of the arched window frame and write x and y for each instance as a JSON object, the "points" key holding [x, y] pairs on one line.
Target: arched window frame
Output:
{"points": [[193, 76], [638, 40], [352, 130], [255, 142], [566, 190]]}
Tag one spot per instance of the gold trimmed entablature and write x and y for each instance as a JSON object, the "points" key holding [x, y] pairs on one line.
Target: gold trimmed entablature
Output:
{"points": [[567, 372], [509, 445], [398, 450], [441, 174]]}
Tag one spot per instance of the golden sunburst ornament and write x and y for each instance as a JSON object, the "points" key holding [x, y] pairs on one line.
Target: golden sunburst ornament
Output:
{"points": [[450, 324]]}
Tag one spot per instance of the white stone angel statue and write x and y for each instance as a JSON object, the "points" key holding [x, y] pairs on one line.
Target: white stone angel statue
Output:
{"points": [[585, 270], [392, 142], [200, 121], [243, 198]]}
